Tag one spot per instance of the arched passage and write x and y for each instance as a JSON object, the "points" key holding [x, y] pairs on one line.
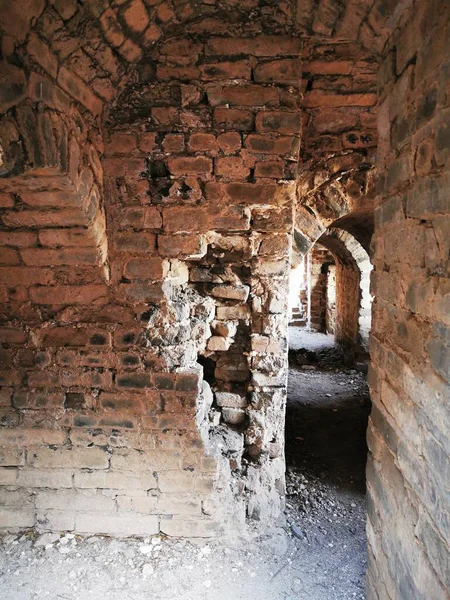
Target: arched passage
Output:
{"points": [[353, 298], [93, 313]]}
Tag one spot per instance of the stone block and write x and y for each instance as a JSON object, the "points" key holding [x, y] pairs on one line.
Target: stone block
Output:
{"points": [[122, 523], [67, 458], [115, 480]]}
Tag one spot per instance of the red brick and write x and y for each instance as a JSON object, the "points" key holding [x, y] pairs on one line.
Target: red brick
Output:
{"points": [[142, 292], [151, 35], [330, 67], [120, 167], [173, 142], [144, 269], [231, 167], [181, 50], [41, 257], [264, 144], [71, 237], [181, 246], [130, 51], [257, 46], [229, 142], [229, 218], [6, 200], [121, 143], [188, 165], [12, 336], [178, 219], [356, 139], [287, 71], [165, 116], [243, 95], [233, 118], [182, 72], [9, 256], [136, 16], [249, 193], [334, 121], [134, 242], [111, 28], [279, 122], [205, 142], [53, 199], [25, 276], [65, 8], [75, 87], [63, 336], [270, 168], [18, 239], [147, 142], [66, 294], [317, 98], [141, 217], [238, 69], [274, 219]]}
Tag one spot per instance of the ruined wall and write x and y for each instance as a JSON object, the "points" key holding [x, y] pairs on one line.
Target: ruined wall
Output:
{"points": [[146, 228], [408, 471], [330, 316], [320, 259]]}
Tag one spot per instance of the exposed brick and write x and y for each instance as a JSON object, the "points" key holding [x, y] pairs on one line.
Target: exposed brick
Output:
{"points": [[317, 98], [286, 71], [257, 46], [243, 95], [76, 88], [181, 246], [232, 118], [238, 69], [280, 122], [187, 165], [202, 142], [136, 16], [229, 142], [69, 294], [144, 268], [142, 218], [263, 144]]}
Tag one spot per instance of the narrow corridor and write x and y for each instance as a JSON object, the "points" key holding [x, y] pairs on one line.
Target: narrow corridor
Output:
{"points": [[326, 421]]}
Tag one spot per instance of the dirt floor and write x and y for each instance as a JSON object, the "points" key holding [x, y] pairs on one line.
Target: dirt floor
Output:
{"points": [[318, 554]]}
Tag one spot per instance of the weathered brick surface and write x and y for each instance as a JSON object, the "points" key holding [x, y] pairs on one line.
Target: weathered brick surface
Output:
{"points": [[119, 253], [409, 347], [150, 166]]}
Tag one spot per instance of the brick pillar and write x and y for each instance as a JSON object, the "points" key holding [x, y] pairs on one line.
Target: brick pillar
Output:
{"points": [[205, 187]]}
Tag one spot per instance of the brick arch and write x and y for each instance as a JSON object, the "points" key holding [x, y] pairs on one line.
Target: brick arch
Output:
{"points": [[353, 301], [337, 191]]}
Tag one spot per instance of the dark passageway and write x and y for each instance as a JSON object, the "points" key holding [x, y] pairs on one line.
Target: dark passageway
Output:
{"points": [[326, 421]]}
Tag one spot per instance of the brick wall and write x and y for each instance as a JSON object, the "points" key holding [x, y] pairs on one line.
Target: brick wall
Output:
{"points": [[320, 259], [408, 470], [135, 247], [148, 186]]}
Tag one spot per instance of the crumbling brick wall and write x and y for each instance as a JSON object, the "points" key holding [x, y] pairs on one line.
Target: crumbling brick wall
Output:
{"points": [[148, 186], [137, 246]]}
